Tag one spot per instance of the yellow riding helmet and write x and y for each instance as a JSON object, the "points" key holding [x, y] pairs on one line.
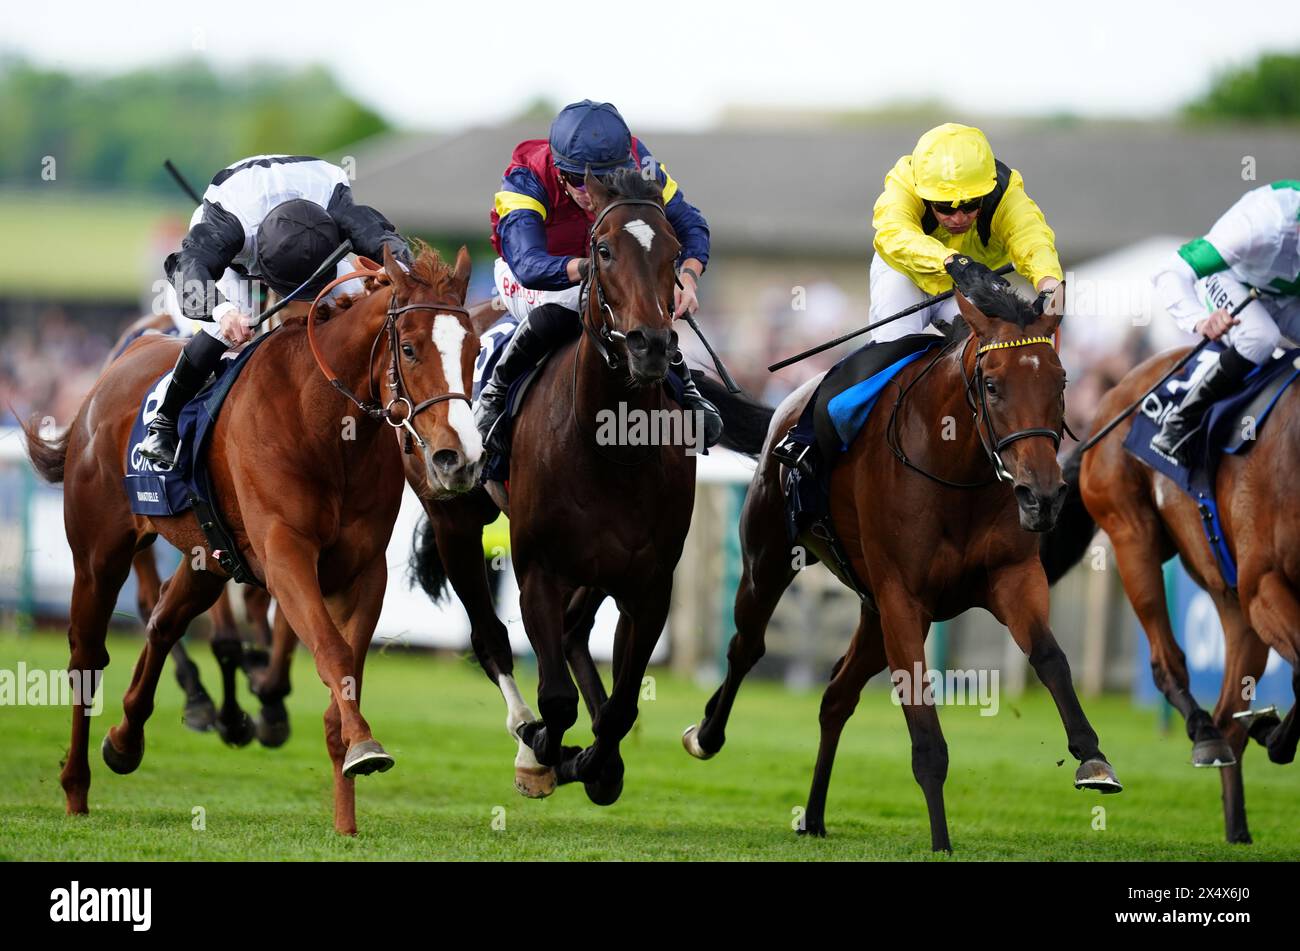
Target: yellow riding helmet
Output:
{"points": [[953, 163]]}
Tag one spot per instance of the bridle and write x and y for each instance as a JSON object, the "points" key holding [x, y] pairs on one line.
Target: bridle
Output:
{"points": [[604, 336], [989, 441], [391, 412]]}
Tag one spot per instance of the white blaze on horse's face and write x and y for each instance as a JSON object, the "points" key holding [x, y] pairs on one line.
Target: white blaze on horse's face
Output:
{"points": [[449, 337], [642, 232]]}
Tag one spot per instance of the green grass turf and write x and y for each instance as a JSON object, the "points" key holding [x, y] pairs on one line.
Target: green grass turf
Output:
{"points": [[442, 720]]}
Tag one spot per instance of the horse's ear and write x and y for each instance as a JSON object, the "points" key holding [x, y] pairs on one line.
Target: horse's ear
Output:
{"points": [[460, 276], [975, 318], [595, 188], [1053, 311], [394, 271]]}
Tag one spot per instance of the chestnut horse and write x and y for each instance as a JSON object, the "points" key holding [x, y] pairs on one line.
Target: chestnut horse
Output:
{"points": [[309, 478], [234, 726], [1149, 520], [942, 525]]}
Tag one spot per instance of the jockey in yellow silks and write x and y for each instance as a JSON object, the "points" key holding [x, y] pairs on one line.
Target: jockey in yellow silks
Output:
{"points": [[948, 210]]}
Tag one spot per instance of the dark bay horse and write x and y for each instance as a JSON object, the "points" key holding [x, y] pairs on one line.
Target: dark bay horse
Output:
{"points": [[232, 724], [309, 478], [1150, 520], [589, 518], [939, 527]]}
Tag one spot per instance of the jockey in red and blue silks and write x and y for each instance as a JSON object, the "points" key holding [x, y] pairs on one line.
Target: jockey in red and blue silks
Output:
{"points": [[540, 228]]}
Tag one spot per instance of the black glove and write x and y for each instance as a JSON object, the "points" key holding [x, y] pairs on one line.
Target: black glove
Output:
{"points": [[1040, 302], [967, 273]]}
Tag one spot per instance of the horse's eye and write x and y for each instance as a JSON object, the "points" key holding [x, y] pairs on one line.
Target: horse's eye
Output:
{"points": [[991, 387], [408, 351], [603, 251]]}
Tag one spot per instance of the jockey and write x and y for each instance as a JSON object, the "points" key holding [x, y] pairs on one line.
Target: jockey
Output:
{"points": [[540, 227], [1255, 244], [948, 211], [270, 218]]}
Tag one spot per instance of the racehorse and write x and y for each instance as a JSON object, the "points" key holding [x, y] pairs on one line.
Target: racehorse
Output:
{"points": [[200, 714], [1149, 520], [587, 520], [943, 524], [290, 423]]}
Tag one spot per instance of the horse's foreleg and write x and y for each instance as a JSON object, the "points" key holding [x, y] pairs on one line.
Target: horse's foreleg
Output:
{"points": [[355, 611], [291, 560], [1019, 599], [542, 599], [1275, 614], [864, 659], [1137, 552], [767, 572], [187, 594], [577, 649]]}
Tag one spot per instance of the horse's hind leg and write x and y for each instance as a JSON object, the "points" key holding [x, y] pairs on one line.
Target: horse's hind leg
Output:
{"points": [[1275, 614], [98, 578], [1019, 600], [270, 683], [864, 659], [185, 595], [233, 725], [200, 714], [768, 571], [1137, 552]]}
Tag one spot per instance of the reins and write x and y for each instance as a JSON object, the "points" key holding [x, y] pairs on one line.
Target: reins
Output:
{"points": [[398, 419], [989, 440]]}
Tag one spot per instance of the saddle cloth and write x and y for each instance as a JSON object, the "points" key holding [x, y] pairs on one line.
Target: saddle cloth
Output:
{"points": [[1230, 427]]}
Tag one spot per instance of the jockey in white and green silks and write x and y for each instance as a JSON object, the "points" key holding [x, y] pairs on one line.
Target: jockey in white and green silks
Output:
{"points": [[1255, 244]]}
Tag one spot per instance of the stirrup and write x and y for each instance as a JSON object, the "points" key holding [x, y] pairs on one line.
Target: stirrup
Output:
{"points": [[792, 453]]}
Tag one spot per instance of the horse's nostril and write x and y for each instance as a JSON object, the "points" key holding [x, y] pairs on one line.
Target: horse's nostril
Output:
{"points": [[636, 341], [446, 459]]}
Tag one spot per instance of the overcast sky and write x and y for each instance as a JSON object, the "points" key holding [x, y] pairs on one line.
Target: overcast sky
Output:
{"points": [[679, 64]]}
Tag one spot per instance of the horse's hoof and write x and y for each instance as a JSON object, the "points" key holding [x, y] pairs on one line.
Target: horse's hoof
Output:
{"points": [[1097, 774], [534, 782], [691, 740], [200, 714], [606, 790], [237, 734], [1260, 724], [273, 726], [812, 827], [119, 762], [365, 758], [1213, 753]]}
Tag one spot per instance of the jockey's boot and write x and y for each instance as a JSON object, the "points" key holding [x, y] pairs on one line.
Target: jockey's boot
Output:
{"points": [[1220, 380], [193, 367], [693, 401], [524, 350]]}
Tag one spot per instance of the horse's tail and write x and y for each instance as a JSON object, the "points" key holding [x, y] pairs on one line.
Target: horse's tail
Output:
{"points": [[1063, 547], [744, 419], [48, 455], [425, 566]]}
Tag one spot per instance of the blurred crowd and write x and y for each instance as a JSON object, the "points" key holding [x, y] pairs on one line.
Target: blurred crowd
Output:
{"points": [[47, 368]]}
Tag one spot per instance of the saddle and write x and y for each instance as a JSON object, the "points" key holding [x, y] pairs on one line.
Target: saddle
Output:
{"points": [[1231, 427], [153, 490]]}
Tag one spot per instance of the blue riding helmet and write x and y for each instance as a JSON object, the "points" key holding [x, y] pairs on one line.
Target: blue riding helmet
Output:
{"points": [[591, 134]]}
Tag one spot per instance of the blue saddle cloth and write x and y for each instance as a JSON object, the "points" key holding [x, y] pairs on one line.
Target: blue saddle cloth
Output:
{"points": [[152, 490], [497, 466], [1230, 427]]}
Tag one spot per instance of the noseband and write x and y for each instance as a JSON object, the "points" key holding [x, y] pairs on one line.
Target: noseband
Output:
{"points": [[390, 412], [603, 337], [989, 440]]}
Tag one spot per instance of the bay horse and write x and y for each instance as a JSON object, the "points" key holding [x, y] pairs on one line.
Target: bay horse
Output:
{"points": [[309, 478], [1150, 520], [943, 524], [587, 520], [200, 714]]}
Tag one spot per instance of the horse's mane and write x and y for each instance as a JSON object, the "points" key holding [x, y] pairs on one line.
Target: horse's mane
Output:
{"points": [[994, 297], [630, 183], [427, 269]]}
